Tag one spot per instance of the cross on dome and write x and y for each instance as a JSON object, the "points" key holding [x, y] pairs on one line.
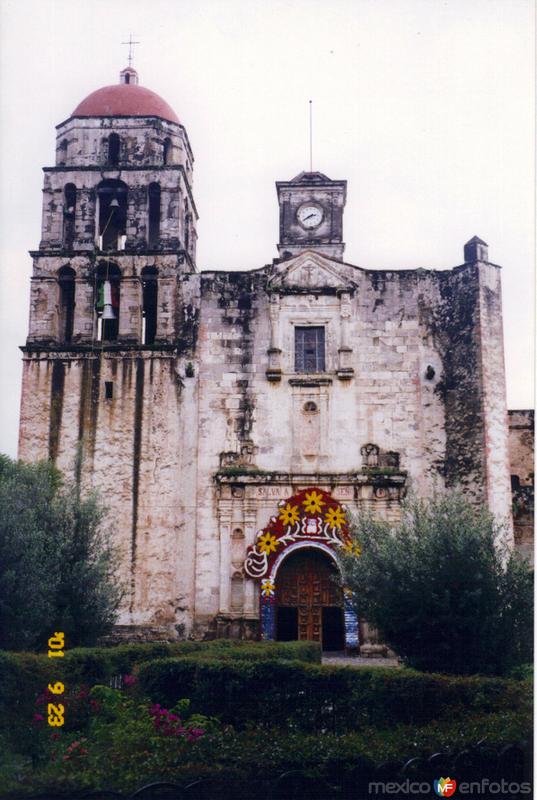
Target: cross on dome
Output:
{"points": [[131, 44]]}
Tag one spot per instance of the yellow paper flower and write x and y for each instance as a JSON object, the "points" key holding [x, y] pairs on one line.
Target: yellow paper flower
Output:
{"points": [[313, 502], [289, 515], [267, 543], [352, 548], [335, 517], [267, 588]]}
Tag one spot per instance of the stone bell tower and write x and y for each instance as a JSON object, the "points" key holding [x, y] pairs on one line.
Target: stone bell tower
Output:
{"points": [[107, 311], [117, 210]]}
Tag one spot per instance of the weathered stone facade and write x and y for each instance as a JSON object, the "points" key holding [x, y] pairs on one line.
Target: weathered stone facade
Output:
{"points": [[521, 453], [183, 391]]}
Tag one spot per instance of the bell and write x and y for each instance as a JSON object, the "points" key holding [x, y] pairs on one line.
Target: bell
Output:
{"points": [[114, 203], [108, 311]]}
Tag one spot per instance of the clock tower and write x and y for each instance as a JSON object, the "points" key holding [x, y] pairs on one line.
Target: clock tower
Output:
{"points": [[311, 215]]}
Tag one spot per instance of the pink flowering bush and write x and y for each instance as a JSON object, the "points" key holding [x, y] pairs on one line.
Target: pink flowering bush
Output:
{"points": [[120, 737], [76, 707], [103, 728], [169, 724]]}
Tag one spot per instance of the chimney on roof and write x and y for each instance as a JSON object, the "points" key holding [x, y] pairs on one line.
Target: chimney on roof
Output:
{"points": [[476, 250]]}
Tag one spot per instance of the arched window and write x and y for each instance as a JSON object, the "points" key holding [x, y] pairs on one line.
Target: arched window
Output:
{"points": [[66, 280], [107, 301], [112, 214], [153, 191], [149, 304], [69, 215], [114, 145], [62, 152], [186, 227], [167, 151]]}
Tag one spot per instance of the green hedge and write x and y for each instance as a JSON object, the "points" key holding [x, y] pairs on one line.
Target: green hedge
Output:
{"points": [[524, 672], [311, 697], [97, 665], [228, 649], [23, 676], [245, 764]]}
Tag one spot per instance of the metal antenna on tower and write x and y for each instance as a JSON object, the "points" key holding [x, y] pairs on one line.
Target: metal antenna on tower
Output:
{"points": [[311, 137], [131, 44]]}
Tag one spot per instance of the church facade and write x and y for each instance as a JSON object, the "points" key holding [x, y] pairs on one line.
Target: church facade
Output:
{"points": [[234, 421]]}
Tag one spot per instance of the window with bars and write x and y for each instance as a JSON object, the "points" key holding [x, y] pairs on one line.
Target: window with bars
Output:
{"points": [[309, 349]]}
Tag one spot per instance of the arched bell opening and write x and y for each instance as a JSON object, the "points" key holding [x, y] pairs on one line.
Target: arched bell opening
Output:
{"points": [[69, 215], [153, 194], [149, 304], [309, 604], [107, 301], [167, 151], [114, 149], [111, 214], [66, 308]]}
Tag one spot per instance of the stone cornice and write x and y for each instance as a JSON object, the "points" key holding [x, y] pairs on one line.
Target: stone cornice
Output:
{"points": [[63, 351], [368, 475]]}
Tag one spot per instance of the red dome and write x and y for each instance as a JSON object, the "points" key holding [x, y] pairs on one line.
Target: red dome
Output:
{"points": [[125, 100]]}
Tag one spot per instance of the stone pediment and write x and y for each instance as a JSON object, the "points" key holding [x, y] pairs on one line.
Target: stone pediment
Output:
{"points": [[313, 271], [308, 178]]}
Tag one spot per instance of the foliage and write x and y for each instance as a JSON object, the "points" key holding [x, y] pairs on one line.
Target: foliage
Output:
{"points": [[56, 564], [524, 672], [382, 471], [310, 697], [241, 470], [127, 742], [245, 722], [113, 737], [441, 589], [24, 676], [28, 560], [309, 652]]}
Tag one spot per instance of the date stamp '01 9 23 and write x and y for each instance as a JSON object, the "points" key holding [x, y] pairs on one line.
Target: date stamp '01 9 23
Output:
{"points": [[55, 711]]}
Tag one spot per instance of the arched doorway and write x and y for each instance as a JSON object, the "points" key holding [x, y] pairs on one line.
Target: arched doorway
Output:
{"points": [[309, 600], [314, 523]]}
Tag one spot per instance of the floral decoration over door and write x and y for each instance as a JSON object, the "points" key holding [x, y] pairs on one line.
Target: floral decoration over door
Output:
{"points": [[310, 518], [311, 515]]}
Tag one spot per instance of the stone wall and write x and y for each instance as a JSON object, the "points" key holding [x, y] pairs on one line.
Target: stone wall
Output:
{"points": [[406, 364], [134, 446], [522, 454], [207, 431], [83, 142]]}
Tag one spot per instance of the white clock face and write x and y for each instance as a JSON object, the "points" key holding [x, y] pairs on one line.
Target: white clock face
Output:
{"points": [[309, 216]]}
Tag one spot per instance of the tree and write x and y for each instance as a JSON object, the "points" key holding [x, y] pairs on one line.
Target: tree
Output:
{"points": [[441, 588], [57, 567]]}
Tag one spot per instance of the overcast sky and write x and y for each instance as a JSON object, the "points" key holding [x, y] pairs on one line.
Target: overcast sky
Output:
{"points": [[425, 107]]}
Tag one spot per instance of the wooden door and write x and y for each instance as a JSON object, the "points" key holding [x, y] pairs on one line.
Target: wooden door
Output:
{"points": [[306, 582]]}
